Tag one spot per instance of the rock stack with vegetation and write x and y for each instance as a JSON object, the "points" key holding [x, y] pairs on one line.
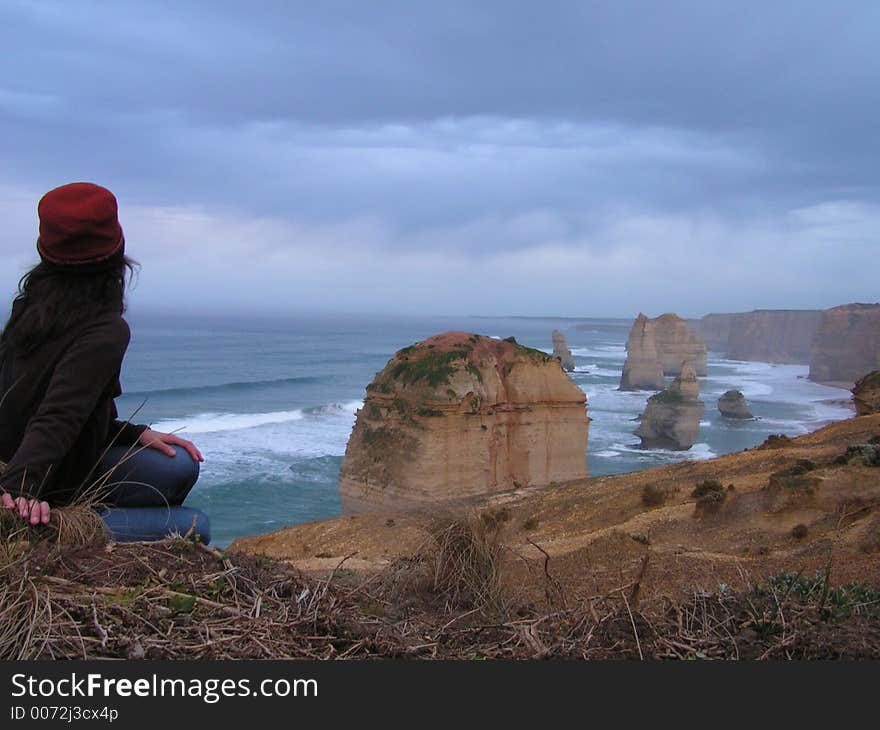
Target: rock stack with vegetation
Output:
{"points": [[672, 417], [733, 404], [461, 414]]}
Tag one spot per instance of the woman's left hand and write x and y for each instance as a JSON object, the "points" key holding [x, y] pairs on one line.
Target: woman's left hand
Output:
{"points": [[163, 442]]}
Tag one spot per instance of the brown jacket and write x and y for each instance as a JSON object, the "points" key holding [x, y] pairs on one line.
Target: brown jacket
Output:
{"points": [[57, 413]]}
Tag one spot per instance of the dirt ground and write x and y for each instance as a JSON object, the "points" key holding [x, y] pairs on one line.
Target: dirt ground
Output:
{"points": [[595, 534], [768, 553]]}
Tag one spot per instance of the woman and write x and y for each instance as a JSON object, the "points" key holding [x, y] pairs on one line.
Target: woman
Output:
{"points": [[60, 359]]}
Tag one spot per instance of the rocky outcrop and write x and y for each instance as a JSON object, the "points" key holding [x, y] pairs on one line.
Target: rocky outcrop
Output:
{"points": [[672, 417], [561, 351], [677, 342], [733, 405], [866, 394], [765, 335], [642, 369], [847, 344], [458, 415]]}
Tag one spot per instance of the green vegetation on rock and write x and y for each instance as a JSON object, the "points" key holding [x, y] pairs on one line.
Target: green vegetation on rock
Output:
{"points": [[666, 396], [433, 367]]}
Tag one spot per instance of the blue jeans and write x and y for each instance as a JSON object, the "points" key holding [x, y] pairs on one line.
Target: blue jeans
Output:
{"points": [[145, 492]]}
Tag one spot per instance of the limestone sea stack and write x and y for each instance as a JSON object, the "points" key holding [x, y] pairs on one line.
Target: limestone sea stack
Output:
{"points": [[866, 394], [847, 344], [561, 351], [460, 414], [642, 369], [672, 417], [733, 405], [677, 342]]}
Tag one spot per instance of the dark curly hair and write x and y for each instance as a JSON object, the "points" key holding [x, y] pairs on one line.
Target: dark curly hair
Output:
{"points": [[53, 298]]}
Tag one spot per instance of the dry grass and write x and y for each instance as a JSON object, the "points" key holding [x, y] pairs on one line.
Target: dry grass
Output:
{"points": [[73, 526], [179, 600], [457, 567]]}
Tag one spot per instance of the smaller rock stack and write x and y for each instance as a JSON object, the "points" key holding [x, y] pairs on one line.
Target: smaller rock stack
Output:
{"points": [[672, 417], [733, 405], [561, 351]]}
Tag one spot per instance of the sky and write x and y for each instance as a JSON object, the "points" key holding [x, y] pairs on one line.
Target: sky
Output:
{"points": [[585, 159]]}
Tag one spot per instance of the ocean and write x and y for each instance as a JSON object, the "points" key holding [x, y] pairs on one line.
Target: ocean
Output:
{"points": [[271, 401]]}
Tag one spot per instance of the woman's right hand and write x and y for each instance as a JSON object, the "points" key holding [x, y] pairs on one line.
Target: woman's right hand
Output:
{"points": [[31, 510]]}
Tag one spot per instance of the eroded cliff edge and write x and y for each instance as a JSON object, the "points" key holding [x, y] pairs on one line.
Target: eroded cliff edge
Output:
{"points": [[795, 504], [460, 414], [847, 345], [764, 335]]}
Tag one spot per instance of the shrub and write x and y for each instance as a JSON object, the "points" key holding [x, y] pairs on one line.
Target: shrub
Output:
{"points": [[710, 494], [868, 454], [795, 482], [706, 487], [429, 412], [495, 518], [654, 496], [801, 466], [799, 531], [776, 441]]}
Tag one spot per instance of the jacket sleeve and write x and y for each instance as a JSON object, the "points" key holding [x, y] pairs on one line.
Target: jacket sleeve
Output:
{"points": [[84, 373], [124, 433]]}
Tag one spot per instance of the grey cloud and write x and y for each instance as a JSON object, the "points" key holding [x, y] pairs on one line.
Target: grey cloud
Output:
{"points": [[457, 127]]}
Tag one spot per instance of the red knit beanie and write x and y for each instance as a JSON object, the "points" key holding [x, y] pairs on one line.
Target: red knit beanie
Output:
{"points": [[79, 225]]}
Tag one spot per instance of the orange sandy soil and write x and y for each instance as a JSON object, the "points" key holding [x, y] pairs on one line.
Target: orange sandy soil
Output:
{"points": [[598, 534]]}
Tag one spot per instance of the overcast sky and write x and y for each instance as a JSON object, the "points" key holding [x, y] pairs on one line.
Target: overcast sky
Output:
{"points": [[559, 158]]}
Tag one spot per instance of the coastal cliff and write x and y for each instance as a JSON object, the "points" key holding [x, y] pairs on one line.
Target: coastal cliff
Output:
{"points": [[561, 351], [676, 342], [764, 335], [790, 503], [866, 394], [847, 345], [461, 414], [714, 329], [642, 369], [672, 417]]}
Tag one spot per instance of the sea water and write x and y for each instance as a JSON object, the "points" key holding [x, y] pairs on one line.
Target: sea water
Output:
{"points": [[271, 401]]}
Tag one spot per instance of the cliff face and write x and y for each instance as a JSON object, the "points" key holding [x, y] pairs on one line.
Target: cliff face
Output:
{"points": [[847, 345], [733, 405], [460, 414], [642, 369], [672, 417], [783, 336], [677, 342], [866, 394], [715, 330], [765, 335], [561, 351]]}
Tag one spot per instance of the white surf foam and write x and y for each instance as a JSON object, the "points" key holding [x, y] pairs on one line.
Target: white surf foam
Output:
{"points": [[211, 422]]}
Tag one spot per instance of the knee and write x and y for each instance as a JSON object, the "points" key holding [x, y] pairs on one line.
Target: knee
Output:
{"points": [[185, 467]]}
